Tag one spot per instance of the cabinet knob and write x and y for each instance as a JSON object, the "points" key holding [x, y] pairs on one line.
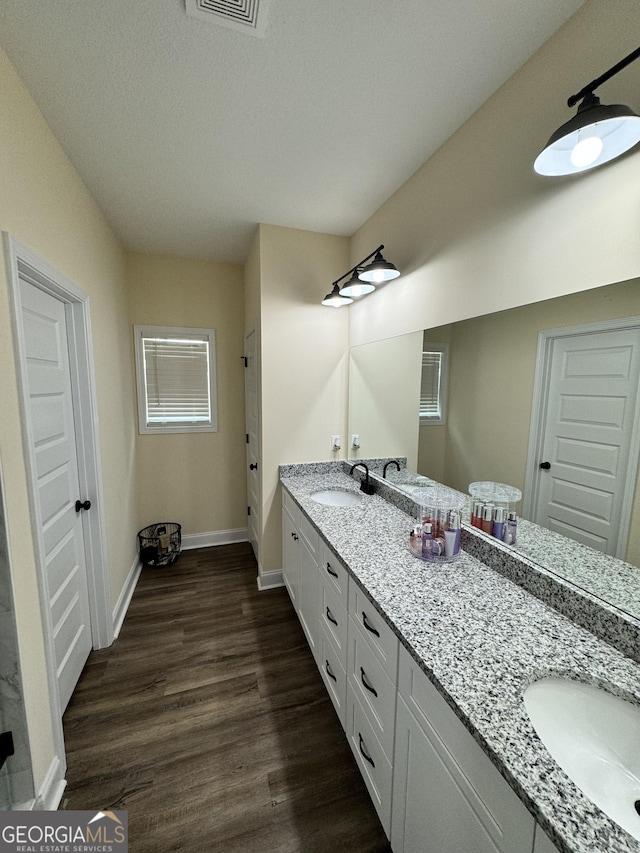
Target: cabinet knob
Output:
{"points": [[545, 466], [82, 505], [254, 466]]}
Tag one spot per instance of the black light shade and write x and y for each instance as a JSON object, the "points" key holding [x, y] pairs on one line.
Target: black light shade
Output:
{"points": [[597, 134], [335, 299], [378, 270], [356, 287]]}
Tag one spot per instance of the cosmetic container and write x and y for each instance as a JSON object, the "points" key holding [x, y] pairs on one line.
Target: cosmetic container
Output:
{"points": [[499, 519], [476, 513], [497, 494], [510, 530], [439, 514], [487, 518]]}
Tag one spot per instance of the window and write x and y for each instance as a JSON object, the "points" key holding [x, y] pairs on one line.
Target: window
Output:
{"points": [[433, 384], [176, 374]]}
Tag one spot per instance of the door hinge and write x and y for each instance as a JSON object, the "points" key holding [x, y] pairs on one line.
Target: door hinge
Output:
{"points": [[6, 746]]}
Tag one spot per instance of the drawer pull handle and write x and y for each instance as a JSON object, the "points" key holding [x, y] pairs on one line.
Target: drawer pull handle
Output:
{"points": [[294, 537], [328, 668], [363, 678], [368, 626], [363, 752], [330, 617], [330, 570]]}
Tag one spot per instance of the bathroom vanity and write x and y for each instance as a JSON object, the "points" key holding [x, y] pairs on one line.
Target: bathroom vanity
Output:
{"points": [[426, 666]]}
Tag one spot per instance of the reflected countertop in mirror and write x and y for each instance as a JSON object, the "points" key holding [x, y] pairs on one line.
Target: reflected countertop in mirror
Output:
{"points": [[486, 436]]}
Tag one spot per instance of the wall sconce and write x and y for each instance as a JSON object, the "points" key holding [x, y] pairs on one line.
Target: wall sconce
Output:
{"points": [[363, 279], [597, 134]]}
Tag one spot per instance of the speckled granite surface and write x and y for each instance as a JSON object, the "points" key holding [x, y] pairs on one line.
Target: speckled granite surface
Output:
{"points": [[481, 639]]}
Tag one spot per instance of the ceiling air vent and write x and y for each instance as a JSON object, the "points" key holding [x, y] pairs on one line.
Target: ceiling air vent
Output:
{"points": [[246, 16]]}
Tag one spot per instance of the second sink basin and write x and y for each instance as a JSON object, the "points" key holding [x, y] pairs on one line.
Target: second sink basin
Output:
{"points": [[595, 737], [336, 497]]}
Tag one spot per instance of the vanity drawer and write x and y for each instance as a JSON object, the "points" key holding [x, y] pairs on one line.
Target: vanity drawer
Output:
{"points": [[334, 620], [332, 570], [374, 629], [334, 676], [374, 688], [374, 765], [291, 507], [309, 534]]}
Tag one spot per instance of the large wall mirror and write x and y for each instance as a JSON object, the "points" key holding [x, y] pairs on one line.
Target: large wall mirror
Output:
{"points": [[491, 387]]}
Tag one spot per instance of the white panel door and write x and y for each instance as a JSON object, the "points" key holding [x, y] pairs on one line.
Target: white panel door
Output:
{"points": [[587, 434], [54, 450], [252, 436]]}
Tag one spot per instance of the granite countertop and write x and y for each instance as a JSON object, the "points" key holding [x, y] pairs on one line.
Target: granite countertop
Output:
{"points": [[481, 639]]}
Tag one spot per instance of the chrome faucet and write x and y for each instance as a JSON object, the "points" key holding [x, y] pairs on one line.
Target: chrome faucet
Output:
{"points": [[366, 485], [386, 465]]}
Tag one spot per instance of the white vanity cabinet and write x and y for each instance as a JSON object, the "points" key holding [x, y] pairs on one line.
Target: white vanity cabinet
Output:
{"points": [[333, 602], [543, 844], [448, 797], [300, 569], [371, 698]]}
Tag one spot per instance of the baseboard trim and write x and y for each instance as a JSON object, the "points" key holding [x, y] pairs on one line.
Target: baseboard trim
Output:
{"points": [[124, 599], [214, 537], [50, 794], [270, 580]]}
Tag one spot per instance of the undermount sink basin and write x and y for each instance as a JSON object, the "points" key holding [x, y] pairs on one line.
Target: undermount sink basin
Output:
{"points": [[337, 497], [595, 737]]}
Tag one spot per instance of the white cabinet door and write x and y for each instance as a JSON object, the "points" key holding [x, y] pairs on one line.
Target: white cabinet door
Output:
{"points": [[448, 797], [308, 596], [543, 842], [290, 549]]}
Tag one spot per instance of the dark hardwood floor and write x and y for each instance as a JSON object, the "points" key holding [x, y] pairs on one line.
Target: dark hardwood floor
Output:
{"points": [[207, 720]]}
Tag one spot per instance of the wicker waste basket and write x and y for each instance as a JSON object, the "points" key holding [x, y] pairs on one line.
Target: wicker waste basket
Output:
{"points": [[160, 544]]}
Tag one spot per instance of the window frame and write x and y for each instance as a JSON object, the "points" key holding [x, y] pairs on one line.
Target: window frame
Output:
{"points": [[443, 349], [142, 332]]}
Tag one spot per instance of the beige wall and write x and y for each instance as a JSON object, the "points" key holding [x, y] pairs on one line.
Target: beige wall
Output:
{"points": [[384, 397], [475, 230], [45, 205], [195, 479], [304, 362]]}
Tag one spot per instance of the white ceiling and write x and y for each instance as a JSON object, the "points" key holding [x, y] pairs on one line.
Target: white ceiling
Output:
{"points": [[187, 133]]}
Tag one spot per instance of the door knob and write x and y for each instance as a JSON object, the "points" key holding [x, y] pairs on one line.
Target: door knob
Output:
{"points": [[545, 466], [82, 505], [253, 466]]}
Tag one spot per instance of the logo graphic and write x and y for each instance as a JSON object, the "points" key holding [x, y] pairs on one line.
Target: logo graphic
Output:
{"points": [[64, 832]]}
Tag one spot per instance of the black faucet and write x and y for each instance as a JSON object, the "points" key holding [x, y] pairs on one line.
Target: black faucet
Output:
{"points": [[366, 485], [386, 465]]}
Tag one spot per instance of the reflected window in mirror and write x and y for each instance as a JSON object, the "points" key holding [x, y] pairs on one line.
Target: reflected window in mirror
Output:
{"points": [[433, 383]]}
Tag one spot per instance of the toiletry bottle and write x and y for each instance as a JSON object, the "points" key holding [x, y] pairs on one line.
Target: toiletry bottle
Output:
{"points": [[487, 518], [415, 538], [427, 540], [499, 519], [476, 514], [510, 529], [452, 534]]}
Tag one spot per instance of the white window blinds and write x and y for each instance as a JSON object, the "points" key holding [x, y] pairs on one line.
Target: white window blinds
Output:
{"points": [[433, 384], [176, 370]]}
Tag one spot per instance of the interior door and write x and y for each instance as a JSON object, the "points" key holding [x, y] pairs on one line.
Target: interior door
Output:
{"points": [[53, 438], [252, 437], [586, 444]]}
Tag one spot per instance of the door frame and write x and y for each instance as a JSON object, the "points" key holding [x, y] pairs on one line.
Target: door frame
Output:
{"points": [[546, 340], [23, 263]]}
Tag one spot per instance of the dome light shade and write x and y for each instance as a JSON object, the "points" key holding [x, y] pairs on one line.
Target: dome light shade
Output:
{"points": [[356, 287], [335, 299], [594, 136], [378, 270]]}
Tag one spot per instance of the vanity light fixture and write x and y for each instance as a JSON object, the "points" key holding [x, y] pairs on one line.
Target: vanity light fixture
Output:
{"points": [[335, 298], [363, 279], [597, 134]]}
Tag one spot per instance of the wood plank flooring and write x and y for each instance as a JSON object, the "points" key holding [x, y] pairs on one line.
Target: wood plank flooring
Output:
{"points": [[207, 720]]}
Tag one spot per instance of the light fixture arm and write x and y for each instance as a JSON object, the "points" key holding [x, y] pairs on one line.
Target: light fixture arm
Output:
{"points": [[589, 88], [360, 264]]}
